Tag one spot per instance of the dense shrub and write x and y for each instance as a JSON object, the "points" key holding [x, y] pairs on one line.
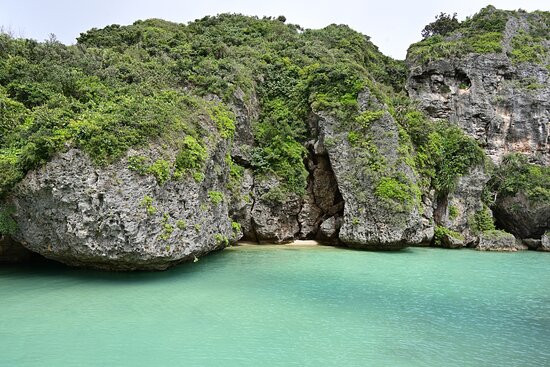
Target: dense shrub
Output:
{"points": [[483, 33], [516, 174], [443, 25]]}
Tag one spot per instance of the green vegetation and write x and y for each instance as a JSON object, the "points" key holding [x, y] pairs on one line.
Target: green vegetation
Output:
{"points": [[531, 45], [7, 224], [221, 240], [215, 197], [181, 224], [443, 151], [236, 227], [481, 221], [397, 189], [176, 86], [138, 163], [224, 119], [495, 234], [516, 174], [443, 25], [453, 212], [168, 229], [440, 233], [161, 170], [191, 159], [147, 203], [483, 33]]}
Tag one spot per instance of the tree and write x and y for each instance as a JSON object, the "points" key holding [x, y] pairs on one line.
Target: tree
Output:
{"points": [[443, 25]]}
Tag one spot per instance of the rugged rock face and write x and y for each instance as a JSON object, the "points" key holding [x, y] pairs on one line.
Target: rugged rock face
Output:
{"points": [[274, 219], [523, 217], [365, 189], [501, 102], [341, 205], [499, 241], [490, 99], [369, 221], [75, 212], [463, 203]]}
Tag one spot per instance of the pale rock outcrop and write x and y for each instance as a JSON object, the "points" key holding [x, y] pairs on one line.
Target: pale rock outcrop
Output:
{"points": [[498, 241], [110, 217]]}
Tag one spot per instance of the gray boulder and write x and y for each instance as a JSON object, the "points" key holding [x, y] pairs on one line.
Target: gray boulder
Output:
{"points": [[111, 217], [450, 241], [521, 216], [498, 241], [545, 242], [274, 214], [464, 202]]}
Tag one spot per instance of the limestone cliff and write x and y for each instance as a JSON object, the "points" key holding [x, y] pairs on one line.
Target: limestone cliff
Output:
{"points": [[231, 127]]}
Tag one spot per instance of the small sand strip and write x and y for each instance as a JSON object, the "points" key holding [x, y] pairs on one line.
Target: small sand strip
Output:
{"points": [[293, 243]]}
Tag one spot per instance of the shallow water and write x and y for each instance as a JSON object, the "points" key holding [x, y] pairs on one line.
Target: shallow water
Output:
{"points": [[285, 306]]}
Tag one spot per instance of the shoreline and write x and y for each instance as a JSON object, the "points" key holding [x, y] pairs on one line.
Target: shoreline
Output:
{"points": [[291, 243]]}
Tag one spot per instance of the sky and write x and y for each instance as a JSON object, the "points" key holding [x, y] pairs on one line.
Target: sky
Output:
{"points": [[392, 25]]}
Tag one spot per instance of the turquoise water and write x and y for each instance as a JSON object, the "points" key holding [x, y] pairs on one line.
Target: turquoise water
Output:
{"points": [[285, 306]]}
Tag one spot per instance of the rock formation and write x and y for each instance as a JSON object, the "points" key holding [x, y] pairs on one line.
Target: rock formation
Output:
{"points": [[357, 175], [111, 217]]}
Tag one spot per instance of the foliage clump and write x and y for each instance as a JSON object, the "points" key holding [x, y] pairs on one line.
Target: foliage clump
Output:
{"points": [[7, 224], [215, 197], [516, 174], [441, 232], [147, 203], [482, 221], [444, 24], [483, 33], [191, 158]]}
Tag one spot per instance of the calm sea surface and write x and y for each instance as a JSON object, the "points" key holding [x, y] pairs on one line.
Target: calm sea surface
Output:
{"points": [[285, 306]]}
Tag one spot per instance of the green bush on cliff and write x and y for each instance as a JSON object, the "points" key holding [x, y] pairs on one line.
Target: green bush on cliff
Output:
{"points": [[124, 86], [398, 191], [443, 152], [516, 174], [481, 221], [160, 169], [483, 33], [191, 158], [215, 197], [7, 224], [441, 232]]}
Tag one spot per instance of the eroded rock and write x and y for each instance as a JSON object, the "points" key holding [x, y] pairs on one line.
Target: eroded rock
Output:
{"points": [[110, 217], [498, 241]]}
